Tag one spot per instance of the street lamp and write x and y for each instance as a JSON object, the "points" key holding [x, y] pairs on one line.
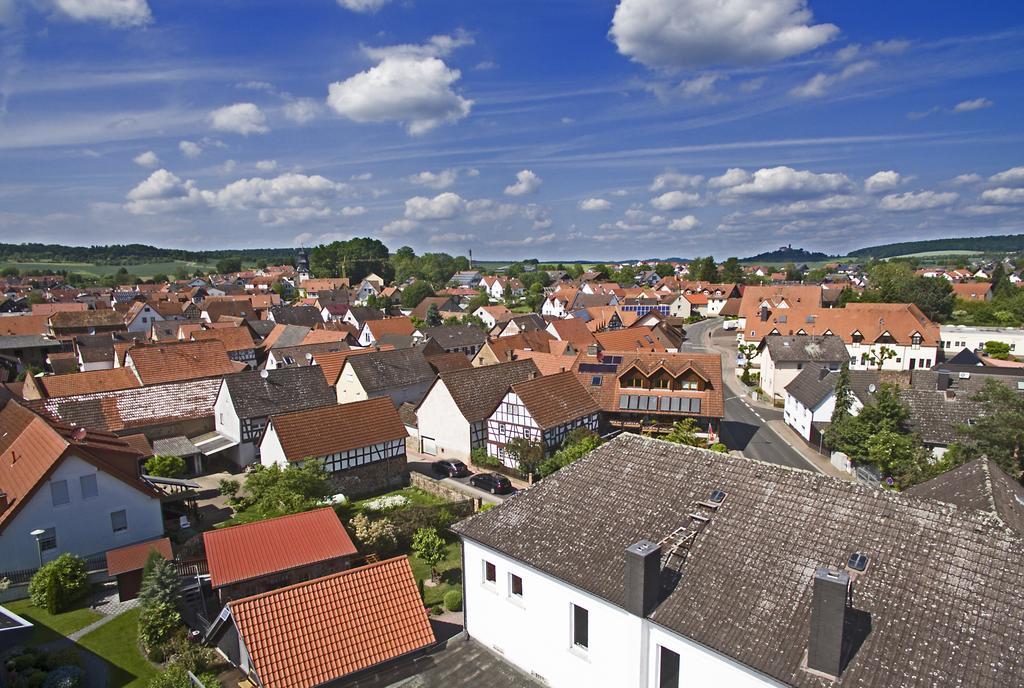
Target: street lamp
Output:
{"points": [[38, 534]]}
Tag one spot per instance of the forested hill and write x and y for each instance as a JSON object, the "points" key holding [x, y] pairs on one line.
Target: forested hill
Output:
{"points": [[1009, 243], [787, 254], [124, 254]]}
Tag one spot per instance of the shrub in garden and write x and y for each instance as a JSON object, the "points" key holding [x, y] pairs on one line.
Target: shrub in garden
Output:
{"points": [[228, 488], [65, 677], [59, 583], [158, 598], [166, 466], [453, 600], [429, 547], [379, 535]]}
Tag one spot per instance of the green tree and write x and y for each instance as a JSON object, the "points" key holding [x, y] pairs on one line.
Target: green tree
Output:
{"points": [[276, 491], [165, 466], [748, 352], [998, 431], [433, 316], [792, 273], [478, 301], [685, 431], [577, 444], [355, 259], [879, 357], [528, 454], [625, 275], [664, 270], [59, 583], [160, 278], [732, 272], [1000, 350], [416, 292], [430, 548], [158, 602], [844, 395], [704, 270], [226, 265]]}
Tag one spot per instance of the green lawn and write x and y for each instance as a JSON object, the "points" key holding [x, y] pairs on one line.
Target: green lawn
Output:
{"points": [[117, 643], [450, 570], [416, 497], [48, 626]]}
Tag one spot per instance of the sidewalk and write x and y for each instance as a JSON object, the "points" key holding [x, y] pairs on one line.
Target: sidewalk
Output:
{"points": [[789, 436]]}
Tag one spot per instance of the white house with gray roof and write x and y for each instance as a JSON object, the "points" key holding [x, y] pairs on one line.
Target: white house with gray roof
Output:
{"points": [[783, 357]]}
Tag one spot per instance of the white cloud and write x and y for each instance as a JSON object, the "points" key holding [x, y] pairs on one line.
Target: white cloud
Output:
{"points": [[921, 200], [701, 33], [266, 165], [450, 238], [593, 205], [362, 177], [302, 110], [848, 52], [118, 13], [568, 120], [785, 181], [435, 180], [674, 180], [818, 85], [417, 92], [365, 6], [287, 190], [891, 47], [703, 85], [1003, 196], [190, 149], [970, 178], [1011, 177], [485, 66], [985, 210], [972, 105], [684, 224], [291, 216], [256, 86], [674, 200], [443, 206], [399, 227], [441, 45], [826, 205], [526, 241], [527, 182], [228, 166], [620, 193], [752, 85], [147, 159], [353, 211], [302, 239], [240, 118], [886, 180], [163, 192], [734, 176]]}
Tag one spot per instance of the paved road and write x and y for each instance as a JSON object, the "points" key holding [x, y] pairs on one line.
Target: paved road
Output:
{"points": [[744, 427]]}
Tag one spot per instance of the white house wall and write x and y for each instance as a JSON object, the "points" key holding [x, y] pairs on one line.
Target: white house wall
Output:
{"points": [[699, 666], [271, 451], [83, 525], [349, 387], [227, 422], [439, 418]]}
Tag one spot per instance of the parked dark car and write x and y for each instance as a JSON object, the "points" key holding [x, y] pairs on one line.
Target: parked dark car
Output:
{"points": [[492, 482], [450, 469]]}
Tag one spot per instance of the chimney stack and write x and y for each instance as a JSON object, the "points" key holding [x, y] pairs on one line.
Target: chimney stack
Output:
{"points": [[828, 618], [643, 576], [591, 349]]}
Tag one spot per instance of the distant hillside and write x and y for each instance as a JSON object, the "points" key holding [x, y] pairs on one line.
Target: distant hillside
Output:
{"points": [[1009, 243], [124, 254], [787, 254]]}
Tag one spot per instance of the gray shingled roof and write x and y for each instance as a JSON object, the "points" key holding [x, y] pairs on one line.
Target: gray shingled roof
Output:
{"points": [[385, 370], [810, 387], [305, 316], [942, 588], [937, 414], [478, 391], [456, 336], [284, 390], [175, 446], [826, 349], [980, 485], [28, 341]]}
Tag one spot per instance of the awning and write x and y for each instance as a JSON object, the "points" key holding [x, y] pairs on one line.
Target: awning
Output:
{"points": [[213, 442]]}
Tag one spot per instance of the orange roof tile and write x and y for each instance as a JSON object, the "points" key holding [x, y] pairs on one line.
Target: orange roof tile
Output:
{"points": [[400, 326], [15, 325], [175, 361], [89, 382], [331, 362], [331, 429], [134, 557], [236, 338], [324, 336], [631, 339], [51, 308], [572, 330], [257, 549], [553, 400], [314, 632], [547, 364]]}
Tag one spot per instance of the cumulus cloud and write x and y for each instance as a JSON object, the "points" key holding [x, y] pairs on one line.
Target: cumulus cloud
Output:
{"points": [[785, 181], [301, 110], [163, 192], [920, 200], [435, 180], [302, 239], [396, 227], [883, 181], [443, 206], [117, 13], [190, 149], [417, 92], [291, 190], [147, 159], [364, 6], [266, 165], [734, 176], [972, 105], [674, 200], [531, 240], [826, 205], [683, 224], [965, 179], [701, 33], [450, 238], [353, 211], [674, 180], [1003, 196], [819, 84], [1011, 177], [292, 216], [240, 118], [441, 45], [527, 182], [595, 205]]}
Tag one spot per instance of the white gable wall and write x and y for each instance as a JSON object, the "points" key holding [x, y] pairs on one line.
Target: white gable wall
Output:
{"points": [[439, 418]]}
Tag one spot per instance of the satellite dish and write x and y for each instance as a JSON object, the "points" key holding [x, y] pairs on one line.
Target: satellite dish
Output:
{"points": [[872, 388], [266, 373]]}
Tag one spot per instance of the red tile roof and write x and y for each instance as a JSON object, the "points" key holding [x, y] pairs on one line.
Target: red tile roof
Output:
{"points": [[554, 400], [631, 339], [133, 557], [278, 544], [89, 382], [331, 429], [236, 338], [314, 632], [15, 325], [175, 361]]}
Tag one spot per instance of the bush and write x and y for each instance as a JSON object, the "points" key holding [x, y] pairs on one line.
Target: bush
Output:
{"points": [[480, 457], [429, 547], [166, 466], [436, 610], [59, 583], [380, 535], [486, 506], [65, 677], [228, 488], [157, 621], [453, 600], [720, 448], [63, 657]]}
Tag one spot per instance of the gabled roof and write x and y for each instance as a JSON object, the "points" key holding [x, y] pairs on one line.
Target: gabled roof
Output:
{"points": [[477, 391], [942, 581], [134, 557], [629, 339], [332, 429], [176, 361], [572, 330], [233, 338], [448, 362], [397, 326], [82, 319], [252, 550], [806, 348], [980, 485], [536, 340], [261, 393], [89, 382], [455, 336], [314, 632], [553, 400], [816, 382], [385, 370], [23, 324], [306, 316], [363, 313]]}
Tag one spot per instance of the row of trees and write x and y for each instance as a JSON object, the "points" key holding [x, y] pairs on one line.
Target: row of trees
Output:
{"points": [[896, 282]]}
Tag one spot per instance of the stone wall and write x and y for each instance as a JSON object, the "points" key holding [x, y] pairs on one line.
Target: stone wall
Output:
{"points": [[371, 478], [435, 487]]}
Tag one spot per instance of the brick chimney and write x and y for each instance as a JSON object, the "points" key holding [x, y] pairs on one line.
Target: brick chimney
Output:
{"points": [[828, 621], [643, 577]]}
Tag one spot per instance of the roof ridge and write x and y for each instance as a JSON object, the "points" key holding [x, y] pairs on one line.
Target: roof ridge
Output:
{"points": [[990, 496]]}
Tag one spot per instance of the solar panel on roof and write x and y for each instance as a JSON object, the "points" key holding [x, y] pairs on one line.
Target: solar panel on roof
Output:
{"points": [[599, 368]]}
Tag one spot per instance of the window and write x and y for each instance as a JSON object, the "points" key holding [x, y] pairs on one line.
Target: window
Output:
{"points": [[515, 585], [59, 492], [580, 627], [490, 573], [668, 668], [88, 485], [635, 381], [48, 540], [119, 521], [595, 381]]}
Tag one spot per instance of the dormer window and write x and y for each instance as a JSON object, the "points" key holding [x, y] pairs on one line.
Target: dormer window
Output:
{"points": [[916, 339], [857, 337]]}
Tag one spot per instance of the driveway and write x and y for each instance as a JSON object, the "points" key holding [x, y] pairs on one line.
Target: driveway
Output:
{"points": [[422, 464]]}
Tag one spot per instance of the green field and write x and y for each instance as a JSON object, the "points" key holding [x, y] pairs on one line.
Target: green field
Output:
{"points": [[938, 254], [140, 269]]}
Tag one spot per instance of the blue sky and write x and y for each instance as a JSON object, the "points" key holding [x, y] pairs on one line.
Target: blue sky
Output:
{"points": [[557, 128]]}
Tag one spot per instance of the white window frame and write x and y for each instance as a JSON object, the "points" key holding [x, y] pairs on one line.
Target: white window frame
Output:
{"points": [[515, 597], [114, 530], [53, 495]]}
